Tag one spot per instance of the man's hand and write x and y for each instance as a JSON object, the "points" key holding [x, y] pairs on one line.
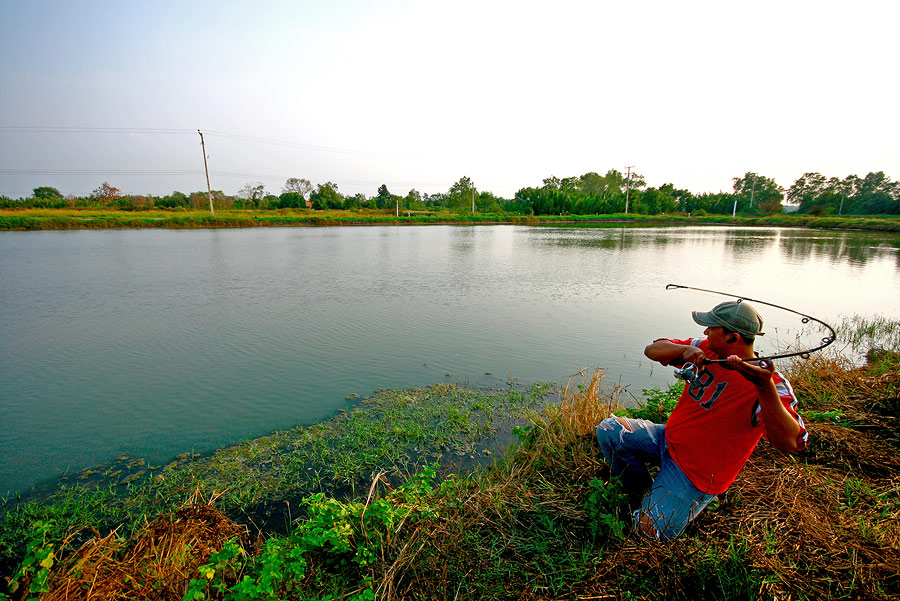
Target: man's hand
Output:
{"points": [[694, 355], [668, 353], [758, 373]]}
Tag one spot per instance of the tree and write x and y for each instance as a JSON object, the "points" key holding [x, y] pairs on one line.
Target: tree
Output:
{"points": [[47, 193], [460, 195], [753, 189], [291, 200], [356, 201], [252, 194], [296, 185], [384, 199], [105, 194], [326, 196], [807, 190], [877, 194], [413, 201]]}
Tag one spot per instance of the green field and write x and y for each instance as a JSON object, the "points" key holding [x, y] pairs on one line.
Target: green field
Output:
{"points": [[87, 218]]}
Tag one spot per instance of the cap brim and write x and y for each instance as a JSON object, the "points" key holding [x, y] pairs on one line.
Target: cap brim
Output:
{"points": [[705, 319]]}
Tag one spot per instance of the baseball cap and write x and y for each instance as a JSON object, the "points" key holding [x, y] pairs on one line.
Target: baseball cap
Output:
{"points": [[736, 316]]}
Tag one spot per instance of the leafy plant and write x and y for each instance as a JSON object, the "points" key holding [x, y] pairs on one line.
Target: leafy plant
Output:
{"points": [[658, 403], [607, 508], [40, 555]]}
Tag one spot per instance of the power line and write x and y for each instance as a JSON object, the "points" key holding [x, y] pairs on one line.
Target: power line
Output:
{"points": [[98, 172], [91, 130], [154, 130], [228, 174], [298, 144]]}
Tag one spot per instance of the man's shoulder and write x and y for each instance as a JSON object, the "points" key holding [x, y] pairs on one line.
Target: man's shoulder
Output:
{"points": [[700, 343]]}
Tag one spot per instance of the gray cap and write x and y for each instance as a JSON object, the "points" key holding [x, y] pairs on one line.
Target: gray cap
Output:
{"points": [[736, 316]]}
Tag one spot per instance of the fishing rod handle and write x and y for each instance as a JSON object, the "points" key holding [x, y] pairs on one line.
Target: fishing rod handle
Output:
{"points": [[764, 362]]}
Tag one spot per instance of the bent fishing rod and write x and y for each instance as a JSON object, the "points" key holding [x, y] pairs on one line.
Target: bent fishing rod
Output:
{"points": [[763, 360]]}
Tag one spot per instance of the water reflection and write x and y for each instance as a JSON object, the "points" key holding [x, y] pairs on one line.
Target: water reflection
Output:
{"points": [[795, 244]]}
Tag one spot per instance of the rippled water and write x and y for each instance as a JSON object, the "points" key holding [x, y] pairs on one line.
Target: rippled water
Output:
{"points": [[159, 342]]}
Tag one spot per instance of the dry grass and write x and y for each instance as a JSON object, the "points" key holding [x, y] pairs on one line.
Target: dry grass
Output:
{"points": [[156, 563]]}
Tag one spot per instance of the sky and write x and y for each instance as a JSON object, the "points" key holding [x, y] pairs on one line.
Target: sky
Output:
{"points": [[417, 94]]}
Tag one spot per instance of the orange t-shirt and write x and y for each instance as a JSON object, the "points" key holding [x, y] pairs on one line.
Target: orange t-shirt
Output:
{"points": [[717, 423]]}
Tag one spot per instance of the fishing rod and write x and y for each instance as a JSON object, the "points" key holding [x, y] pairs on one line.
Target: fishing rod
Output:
{"points": [[763, 360]]}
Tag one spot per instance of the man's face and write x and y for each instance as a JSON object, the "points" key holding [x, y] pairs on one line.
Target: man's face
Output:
{"points": [[716, 337]]}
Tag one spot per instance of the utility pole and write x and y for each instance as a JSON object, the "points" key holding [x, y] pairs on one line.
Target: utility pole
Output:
{"points": [[752, 191], [473, 200], [206, 168], [628, 186]]}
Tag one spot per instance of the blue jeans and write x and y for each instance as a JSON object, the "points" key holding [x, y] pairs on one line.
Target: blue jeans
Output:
{"points": [[670, 500]]}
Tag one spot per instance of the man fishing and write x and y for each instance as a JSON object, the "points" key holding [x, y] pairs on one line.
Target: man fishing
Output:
{"points": [[731, 399]]}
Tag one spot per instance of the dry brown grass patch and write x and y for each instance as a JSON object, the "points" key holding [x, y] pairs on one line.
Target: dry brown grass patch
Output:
{"points": [[157, 563]]}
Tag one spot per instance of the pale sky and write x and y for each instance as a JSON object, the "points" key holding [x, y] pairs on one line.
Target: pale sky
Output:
{"points": [[417, 94]]}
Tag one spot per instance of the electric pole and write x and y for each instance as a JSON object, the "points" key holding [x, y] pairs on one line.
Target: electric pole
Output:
{"points": [[205, 168], [628, 186]]}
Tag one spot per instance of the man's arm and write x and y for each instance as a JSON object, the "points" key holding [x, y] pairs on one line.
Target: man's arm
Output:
{"points": [[782, 429], [669, 353]]}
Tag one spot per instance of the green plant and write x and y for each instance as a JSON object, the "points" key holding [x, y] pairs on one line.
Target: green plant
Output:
{"points": [[658, 403], [607, 508], [40, 555]]}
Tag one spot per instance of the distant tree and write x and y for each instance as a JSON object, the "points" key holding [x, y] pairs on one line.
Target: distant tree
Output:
{"points": [[252, 194], [106, 194], [413, 201], [438, 200], [754, 189], [488, 202], [175, 199], [296, 185], [876, 194], [681, 199], [47, 193], [291, 200], [460, 195], [326, 196], [355, 202], [820, 196], [526, 198], [200, 199], [384, 199]]}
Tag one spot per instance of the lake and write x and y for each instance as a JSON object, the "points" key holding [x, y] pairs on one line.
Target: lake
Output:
{"points": [[156, 342]]}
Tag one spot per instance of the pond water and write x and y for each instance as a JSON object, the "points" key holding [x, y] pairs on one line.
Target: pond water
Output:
{"points": [[154, 343]]}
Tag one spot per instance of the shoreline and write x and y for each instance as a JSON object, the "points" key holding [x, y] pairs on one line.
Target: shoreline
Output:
{"points": [[92, 218]]}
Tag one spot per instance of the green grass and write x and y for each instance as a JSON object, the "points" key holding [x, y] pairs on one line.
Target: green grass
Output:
{"points": [[96, 218]]}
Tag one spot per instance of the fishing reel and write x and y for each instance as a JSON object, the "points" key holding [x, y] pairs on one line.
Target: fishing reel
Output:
{"points": [[688, 373]]}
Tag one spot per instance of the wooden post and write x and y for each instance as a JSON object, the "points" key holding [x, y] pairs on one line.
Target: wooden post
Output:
{"points": [[205, 168]]}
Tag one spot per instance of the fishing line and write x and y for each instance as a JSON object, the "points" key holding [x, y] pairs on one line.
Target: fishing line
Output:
{"points": [[805, 319]]}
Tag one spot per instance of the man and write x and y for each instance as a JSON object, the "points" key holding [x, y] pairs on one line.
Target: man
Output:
{"points": [[723, 412]]}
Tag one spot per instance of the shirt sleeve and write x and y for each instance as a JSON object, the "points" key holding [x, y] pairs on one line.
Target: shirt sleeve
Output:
{"points": [[789, 400], [688, 342]]}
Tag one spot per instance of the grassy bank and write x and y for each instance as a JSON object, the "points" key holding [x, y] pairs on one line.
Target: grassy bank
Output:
{"points": [[541, 522], [67, 219]]}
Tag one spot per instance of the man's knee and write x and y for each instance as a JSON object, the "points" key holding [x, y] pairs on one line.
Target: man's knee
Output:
{"points": [[610, 422], [646, 526]]}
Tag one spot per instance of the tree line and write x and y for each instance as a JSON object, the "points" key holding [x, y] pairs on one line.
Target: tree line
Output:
{"points": [[588, 194]]}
